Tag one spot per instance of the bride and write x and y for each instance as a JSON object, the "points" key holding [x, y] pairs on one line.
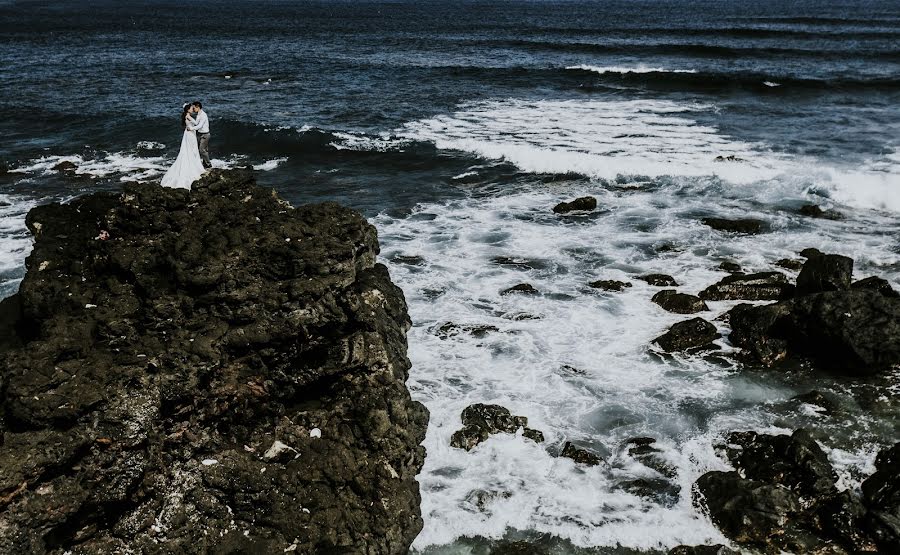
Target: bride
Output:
{"points": [[187, 167]]}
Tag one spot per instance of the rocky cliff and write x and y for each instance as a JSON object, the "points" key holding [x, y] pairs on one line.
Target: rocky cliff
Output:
{"points": [[206, 371]]}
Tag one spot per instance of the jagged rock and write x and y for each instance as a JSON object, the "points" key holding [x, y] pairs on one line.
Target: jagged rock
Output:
{"points": [[827, 272], [881, 494], [65, 167], [579, 455], [450, 329], [480, 421], [815, 211], [748, 226], [730, 267], [855, 331], [878, 284], [642, 449], [582, 204], [790, 264], [729, 158], [409, 260], [717, 549], [523, 288], [679, 303], [609, 285], [763, 286], [165, 362], [659, 280], [688, 334], [536, 436]]}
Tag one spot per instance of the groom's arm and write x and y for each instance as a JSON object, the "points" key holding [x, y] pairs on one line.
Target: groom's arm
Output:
{"points": [[192, 125]]}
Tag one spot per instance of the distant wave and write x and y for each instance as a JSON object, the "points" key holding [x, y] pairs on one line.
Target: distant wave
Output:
{"points": [[619, 69]]}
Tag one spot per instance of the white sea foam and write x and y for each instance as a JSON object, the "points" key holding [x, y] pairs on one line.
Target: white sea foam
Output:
{"points": [[621, 69], [771, 84], [352, 141], [270, 165]]}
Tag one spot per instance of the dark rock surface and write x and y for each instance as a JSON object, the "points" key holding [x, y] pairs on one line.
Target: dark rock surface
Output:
{"points": [[731, 267], [582, 204], [783, 497], [815, 211], [450, 329], [828, 272], [480, 421], [688, 334], [790, 264], [878, 284], [748, 226], [763, 286], [224, 374], [66, 167], [522, 288], [702, 550], [679, 303], [610, 285], [659, 280], [854, 332], [881, 494], [579, 455]]}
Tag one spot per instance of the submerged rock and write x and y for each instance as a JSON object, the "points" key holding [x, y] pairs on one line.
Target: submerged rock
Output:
{"points": [[583, 204], [748, 226], [827, 272], [66, 167], [480, 421], [763, 286], [522, 288], [679, 303], [852, 332], [688, 334], [815, 211], [731, 267], [609, 285], [579, 455], [224, 373], [659, 280]]}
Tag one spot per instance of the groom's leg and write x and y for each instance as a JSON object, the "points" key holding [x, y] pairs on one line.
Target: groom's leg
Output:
{"points": [[203, 145]]}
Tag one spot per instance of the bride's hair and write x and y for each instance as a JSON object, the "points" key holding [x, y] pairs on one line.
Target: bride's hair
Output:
{"points": [[184, 113]]}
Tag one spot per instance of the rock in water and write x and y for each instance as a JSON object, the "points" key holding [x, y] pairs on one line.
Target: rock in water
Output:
{"points": [[609, 285], [747, 226], [829, 272], [480, 421], [852, 332], [224, 374], [659, 280], [764, 286], [878, 284], [679, 303], [815, 211], [522, 288], [695, 332], [881, 493], [579, 455], [583, 204]]}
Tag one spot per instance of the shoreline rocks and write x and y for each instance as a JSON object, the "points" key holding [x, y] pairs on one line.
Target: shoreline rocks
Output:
{"points": [[763, 286], [679, 303], [480, 421], [659, 280], [745, 226], [688, 334], [582, 204], [209, 371]]}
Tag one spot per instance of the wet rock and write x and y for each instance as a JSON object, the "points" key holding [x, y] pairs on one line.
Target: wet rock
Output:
{"points": [[828, 272], [478, 331], [174, 368], [790, 264], [815, 211], [881, 494], [659, 280], [688, 334], [643, 450], [658, 490], [518, 548], [536, 436], [877, 284], [819, 399], [517, 263], [810, 253], [729, 158], [748, 226], [481, 420], [730, 267], [579, 455], [763, 286], [583, 204], [409, 260], [841, 517], [522, 288], [609, 285], [679, 303], [717, 549], [65, 167], [851, 332]]}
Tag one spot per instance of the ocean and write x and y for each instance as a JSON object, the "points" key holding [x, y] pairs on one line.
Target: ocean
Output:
{"points": [[455, 127]]}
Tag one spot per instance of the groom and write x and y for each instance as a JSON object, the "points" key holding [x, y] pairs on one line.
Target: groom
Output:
{"points": [[202, 129]]}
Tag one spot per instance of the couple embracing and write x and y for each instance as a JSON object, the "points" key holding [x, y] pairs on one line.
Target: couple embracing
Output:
{"points": [[193, 158]]}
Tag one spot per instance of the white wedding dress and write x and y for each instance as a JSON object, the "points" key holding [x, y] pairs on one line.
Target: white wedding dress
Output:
{"points": [[187, 167]]}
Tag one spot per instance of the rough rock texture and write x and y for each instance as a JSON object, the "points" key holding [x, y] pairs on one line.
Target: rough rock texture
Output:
{"points": [[480, 421], [881, 494], [763, 286], [688, 334], [878, 284], [828, 272], [659, 280], [815, 211], [610, 285], [522, 288], [783, 497], [731, 267], [741, 225], [702, 550], [223, 374], [855, 332], [579, 455], [679, 303], [582, 204]]}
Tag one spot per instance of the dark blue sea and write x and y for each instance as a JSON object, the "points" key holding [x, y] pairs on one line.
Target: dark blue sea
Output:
{"points": [[455, 127]]}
